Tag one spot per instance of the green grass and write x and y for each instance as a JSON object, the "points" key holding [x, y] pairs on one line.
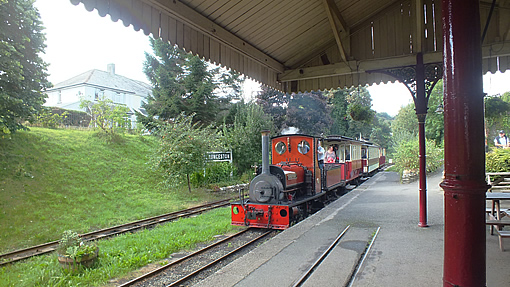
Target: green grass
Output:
{"points": [[55, 180], [122, 254]]}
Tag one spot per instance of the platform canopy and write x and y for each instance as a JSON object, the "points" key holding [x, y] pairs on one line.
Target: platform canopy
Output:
{"points": [[305, 45]]}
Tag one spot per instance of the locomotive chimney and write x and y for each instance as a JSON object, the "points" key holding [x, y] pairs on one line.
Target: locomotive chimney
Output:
{"points": [[265, 152]]}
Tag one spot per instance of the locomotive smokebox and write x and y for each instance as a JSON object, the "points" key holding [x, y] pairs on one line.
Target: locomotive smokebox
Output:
{"points": [[266, 187]]}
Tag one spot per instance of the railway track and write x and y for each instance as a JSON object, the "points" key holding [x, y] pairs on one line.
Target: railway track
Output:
{"points": [[307, 278], [48, 247], [193, 265]]}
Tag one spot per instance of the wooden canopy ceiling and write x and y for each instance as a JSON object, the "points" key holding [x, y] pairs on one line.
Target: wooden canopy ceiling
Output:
{"points": [[304, 45]]}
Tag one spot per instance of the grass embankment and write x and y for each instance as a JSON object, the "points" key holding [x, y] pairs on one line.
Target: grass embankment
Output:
{"points": [[54, 180]]}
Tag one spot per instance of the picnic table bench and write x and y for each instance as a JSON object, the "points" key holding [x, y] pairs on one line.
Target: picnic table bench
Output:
{"points": [[501, 184]]}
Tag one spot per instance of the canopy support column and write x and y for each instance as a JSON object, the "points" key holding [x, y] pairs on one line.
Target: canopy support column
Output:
{"points": [[420, 80], [464, 180]]}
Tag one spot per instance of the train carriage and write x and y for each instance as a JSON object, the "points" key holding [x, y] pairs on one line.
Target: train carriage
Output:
{"points": [[294, 184], [371, 158]]}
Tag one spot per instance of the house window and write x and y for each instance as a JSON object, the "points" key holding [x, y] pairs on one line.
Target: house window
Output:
{"points": [[99, 94], [59, 97]]}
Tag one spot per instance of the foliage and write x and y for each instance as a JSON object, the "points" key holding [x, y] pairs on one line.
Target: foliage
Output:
{"points": [[184, 83], [229, 90], [308, 112], [497, 115], [381, 130], [434, 123], [360, 105], [199, 85], [123, 254], [69, 239], [72, 246], [498, 160], [109, 117], [57, 179], [405, 121], [274, 104], [46, 118], [351, 112], [243, 136], [23, 76], [163, 70], [183, 148], [407, 156], [213, 173], [339, 105]]}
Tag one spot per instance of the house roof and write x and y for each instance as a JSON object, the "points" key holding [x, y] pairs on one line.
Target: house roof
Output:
{"points": [[304, 45], [102, 79]]}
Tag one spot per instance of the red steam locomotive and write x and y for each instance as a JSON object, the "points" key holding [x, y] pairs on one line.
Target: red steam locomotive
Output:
{"points": [[296, 182]]}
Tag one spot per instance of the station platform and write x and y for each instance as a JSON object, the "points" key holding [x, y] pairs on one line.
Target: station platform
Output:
{"points": [[402, 254]]}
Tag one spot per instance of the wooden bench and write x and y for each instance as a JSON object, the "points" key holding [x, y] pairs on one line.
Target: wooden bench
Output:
{"points": [[502, 234]]}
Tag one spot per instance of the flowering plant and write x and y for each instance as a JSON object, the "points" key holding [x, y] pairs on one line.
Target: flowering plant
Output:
{"points": [[72, 246]]}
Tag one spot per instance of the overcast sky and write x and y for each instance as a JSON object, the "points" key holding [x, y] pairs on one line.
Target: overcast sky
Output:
{"points": [[78, 41]]}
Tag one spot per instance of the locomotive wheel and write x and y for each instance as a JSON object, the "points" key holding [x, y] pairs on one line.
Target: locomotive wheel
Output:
{"points": [[341, 191]]}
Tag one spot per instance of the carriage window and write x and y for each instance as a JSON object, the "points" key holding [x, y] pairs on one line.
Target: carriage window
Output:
{"points": [[303, 147], [280, 147]]}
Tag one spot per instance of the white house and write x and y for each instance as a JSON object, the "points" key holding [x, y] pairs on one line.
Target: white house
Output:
{"points": [[95, 84]]}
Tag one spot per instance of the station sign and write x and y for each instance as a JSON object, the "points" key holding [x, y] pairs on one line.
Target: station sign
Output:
{"points": [[219, 156]]}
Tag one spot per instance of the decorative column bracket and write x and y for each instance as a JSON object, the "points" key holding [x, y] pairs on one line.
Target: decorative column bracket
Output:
{"points": [[407, 76]]}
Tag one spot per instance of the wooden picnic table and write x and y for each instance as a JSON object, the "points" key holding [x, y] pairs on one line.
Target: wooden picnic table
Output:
{"points": [[502, 184], [495, 215]]}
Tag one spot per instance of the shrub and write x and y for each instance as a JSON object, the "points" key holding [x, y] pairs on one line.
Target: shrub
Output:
{"points": [[73, 247], [49, 119], [498, 160], [407, 156], [215, 172]]}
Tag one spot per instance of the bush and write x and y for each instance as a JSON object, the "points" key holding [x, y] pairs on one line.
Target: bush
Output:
{"points": [[407, 156], [215, 172], [498, 160], [49, 119]]}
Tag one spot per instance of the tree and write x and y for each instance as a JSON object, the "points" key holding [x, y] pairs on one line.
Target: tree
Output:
{"points": [[23, 76], [183, 148], [497, 115], [381, 130], [405, 121], [163, 69], [229, 87], [308, 112], [274, 103], [107, 116], [182, 83], [242, 136], [434, 123], [339, 105], [200, 99], [360, 111]]}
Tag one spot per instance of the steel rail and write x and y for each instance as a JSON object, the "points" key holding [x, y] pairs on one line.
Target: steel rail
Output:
{"points": [[218, 260], [312, 268], [171, 264], [21, 254], [362, 260]]}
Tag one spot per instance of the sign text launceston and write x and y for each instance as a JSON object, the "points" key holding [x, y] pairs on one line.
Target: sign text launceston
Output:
{"points": [[219, 156]]}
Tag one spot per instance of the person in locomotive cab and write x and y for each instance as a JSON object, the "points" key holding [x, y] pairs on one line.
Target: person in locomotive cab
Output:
{"points": [[321, 153], [502, 141], [330, 155], [303, 147]]}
